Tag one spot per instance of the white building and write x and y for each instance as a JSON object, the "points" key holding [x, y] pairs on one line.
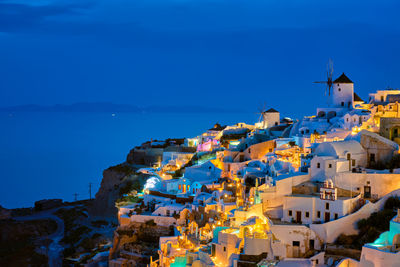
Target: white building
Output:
{"points": [[381, 96], [271, 118], [335, 157], [311, 208]]}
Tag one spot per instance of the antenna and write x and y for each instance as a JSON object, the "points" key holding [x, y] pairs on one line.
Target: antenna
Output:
{"points": [[90, 191]]}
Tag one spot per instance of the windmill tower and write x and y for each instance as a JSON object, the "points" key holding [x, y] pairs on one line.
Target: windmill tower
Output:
{"points": [[268, 118]]}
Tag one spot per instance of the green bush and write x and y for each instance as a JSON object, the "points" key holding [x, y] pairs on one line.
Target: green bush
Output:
{"points": [[75, 235], [392, 203], [151, 223]]}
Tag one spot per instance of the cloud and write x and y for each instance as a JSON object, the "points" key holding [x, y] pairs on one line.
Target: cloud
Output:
{"points": [[19, 16]]}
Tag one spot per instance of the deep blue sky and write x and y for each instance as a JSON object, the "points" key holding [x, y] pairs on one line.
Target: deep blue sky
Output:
{"points": [[200, 52]]}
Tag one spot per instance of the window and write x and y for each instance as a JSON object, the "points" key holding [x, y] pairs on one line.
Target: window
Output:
{"points": [[168, 213], [327, 206], [342, 104], [289, 212], [353, 162], [307, 214], [296, 243], [339, 89], [224, 248], [330, 165], [347, 119], [336, 216], [381, 98], [318, 165], [318, 214], [180, 187], [249, 150], [348, 156], [276, 123]]}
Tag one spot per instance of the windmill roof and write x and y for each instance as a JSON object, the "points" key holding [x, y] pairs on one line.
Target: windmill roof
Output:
{"points": [[343, 79], [357, 98], [217, 127], [271, 110]]}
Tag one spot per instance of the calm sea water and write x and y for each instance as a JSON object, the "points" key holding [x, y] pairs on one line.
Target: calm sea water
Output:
{"points": [[54, 155]]}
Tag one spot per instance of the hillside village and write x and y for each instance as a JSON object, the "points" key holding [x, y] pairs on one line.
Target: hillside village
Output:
{"points": [[280, 192]]}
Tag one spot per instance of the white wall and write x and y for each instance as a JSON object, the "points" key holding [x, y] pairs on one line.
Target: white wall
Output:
{"points": [[312, 205], [381, 183], [372, 257], [345, 95], [273, 197], [328, 232], [289, 233]]}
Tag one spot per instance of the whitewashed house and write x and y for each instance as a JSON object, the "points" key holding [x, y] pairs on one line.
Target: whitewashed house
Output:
{"points": [[331, 158], [311, 208]]}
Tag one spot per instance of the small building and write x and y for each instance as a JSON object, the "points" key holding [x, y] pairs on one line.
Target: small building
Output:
{"points": [[390, 129], [322, 207], [271, 117], [335, 157], [379, 149], [381, 96]]}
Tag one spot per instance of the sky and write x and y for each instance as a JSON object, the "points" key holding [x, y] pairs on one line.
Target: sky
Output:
{"points": [[236, 53]]}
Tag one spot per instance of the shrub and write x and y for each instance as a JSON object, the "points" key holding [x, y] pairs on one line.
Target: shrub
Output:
{"points": [[150, 223], [346, 240], [392, 203]]}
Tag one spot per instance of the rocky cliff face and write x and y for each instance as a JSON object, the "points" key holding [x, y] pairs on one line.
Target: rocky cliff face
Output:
{"points": [[138, 242], [117, 180]]}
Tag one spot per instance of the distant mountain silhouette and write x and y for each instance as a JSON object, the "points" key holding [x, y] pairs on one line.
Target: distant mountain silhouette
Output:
{"points": [[110, 107]]}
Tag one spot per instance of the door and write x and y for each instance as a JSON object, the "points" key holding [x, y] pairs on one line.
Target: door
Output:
{"points": [[296, 249], [327, 216], [312, 244], [367, 191], [298, 216]]}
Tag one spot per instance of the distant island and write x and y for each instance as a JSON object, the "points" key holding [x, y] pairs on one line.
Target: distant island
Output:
{"points": [[111, 107]]}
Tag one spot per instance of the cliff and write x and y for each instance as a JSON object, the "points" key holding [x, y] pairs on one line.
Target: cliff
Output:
{"points": [[117, 180]]}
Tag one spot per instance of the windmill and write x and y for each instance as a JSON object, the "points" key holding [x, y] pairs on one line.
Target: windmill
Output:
{"points": [[329, 74], [261, 112]]}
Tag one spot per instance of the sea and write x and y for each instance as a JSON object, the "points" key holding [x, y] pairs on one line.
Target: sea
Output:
{"points": [[46, 155]]}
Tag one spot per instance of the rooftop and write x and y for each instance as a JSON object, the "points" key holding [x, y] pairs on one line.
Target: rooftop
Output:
{"points": [[342, 79]]}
